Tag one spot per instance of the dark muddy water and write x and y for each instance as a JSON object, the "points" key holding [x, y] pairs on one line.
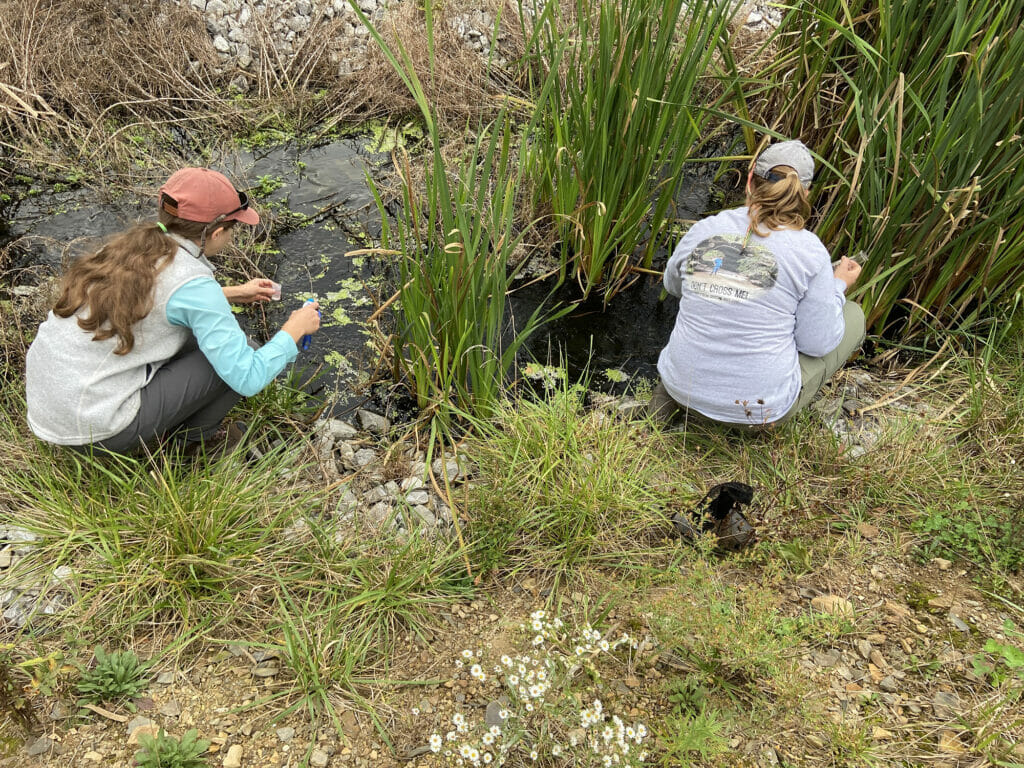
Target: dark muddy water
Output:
{"points": [[323, 210]]}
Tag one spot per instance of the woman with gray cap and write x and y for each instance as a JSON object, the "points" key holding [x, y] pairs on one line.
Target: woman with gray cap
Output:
{"points": [[142, 343], [763, 318]]}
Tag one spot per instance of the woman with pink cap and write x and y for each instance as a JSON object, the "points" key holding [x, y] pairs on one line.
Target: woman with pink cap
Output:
{"points": [[763, 318], [142, 343]]}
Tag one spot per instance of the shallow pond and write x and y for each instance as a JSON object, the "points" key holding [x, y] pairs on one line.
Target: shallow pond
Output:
{"points": [[324, 210]]}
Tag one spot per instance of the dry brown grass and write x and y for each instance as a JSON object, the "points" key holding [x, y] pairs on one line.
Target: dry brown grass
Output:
{"points": [[462, 87], [71, 71]]}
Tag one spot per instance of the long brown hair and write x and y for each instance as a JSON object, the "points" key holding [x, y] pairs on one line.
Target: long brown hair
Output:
{"points": [[781, 204], [113, 287]]}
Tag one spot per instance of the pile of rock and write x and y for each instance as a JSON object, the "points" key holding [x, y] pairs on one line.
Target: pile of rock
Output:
{"points": [[239, 29], [388, 488], [25, 597]]}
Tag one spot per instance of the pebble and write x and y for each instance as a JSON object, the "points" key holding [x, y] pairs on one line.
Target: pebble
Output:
{"points": [[286, 734], [945, 704], [942, 563], [171, 709], [93, 757], [492, 716], [42, 745], [950, 743], [889, 684], [833, 604], [233, 758], [864, 649], [152, 729], [265, 670], [880, 734], [319, 758]]}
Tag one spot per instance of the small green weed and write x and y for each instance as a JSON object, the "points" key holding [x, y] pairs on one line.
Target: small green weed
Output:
{"points": [[116, 676], [1005, 660], [966, 531], [687, 695], [266, 185], [163, 751], [702, 734]]}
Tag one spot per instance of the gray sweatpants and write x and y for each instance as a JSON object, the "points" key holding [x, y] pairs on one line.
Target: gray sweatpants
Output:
{"points": [[814, 372], [185, 398]]}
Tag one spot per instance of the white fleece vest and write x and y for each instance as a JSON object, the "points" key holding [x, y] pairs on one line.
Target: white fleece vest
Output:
{"points": [[78, 390]]}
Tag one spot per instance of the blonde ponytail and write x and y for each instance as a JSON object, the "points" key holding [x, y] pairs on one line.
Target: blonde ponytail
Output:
{"points": [[778, 204]]}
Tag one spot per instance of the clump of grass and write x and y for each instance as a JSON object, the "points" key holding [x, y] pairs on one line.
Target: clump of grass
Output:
{"points": [[563, 486], [151, 537], [455, 245], [615, 92], [913, 108]]}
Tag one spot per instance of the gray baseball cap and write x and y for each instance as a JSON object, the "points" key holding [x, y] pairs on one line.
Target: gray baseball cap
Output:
{"points": [[792, 153]]}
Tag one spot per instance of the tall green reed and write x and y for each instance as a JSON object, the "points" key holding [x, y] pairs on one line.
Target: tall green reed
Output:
{"points": [[617, 100], [455, 242], [916, 108]]}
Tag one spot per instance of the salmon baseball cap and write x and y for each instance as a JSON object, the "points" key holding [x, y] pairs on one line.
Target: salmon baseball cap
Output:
{"points": [[199, 194]]}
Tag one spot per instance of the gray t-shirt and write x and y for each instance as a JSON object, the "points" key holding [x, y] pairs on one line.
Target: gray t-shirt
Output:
{"points": [[745, 313]]}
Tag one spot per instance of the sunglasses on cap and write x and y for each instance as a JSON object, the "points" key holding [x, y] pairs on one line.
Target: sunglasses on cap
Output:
{"points": [[170, 205], [243, 203]]}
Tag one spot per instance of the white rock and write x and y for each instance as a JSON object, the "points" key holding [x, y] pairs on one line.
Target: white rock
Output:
{"points": [[221, 44], [376, 494], [364, 456], [244, 56], [417, 497], [425, 516], [233, 758], [372, 422]]}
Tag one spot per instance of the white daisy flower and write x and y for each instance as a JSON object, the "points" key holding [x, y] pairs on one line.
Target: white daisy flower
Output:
{"points": [[467, 654], [435, 743], [506, 661], [533, 754]]}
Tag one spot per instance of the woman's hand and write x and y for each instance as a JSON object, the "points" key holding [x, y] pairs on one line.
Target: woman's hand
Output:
{"points": [[256, 290], [303, 321], [848, 271]]}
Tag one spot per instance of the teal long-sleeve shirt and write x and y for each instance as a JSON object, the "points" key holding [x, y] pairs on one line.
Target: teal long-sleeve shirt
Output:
{"points": [[200, 305]]}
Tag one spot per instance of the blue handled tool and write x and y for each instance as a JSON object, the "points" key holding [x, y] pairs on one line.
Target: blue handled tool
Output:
{"points": [[307, 340]]}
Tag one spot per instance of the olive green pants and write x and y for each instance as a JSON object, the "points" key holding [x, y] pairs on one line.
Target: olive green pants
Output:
{"points": [[814, 372]]}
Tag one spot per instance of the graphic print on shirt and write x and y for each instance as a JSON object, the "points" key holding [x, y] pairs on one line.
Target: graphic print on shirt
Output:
{"points": [[722, 269]]}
